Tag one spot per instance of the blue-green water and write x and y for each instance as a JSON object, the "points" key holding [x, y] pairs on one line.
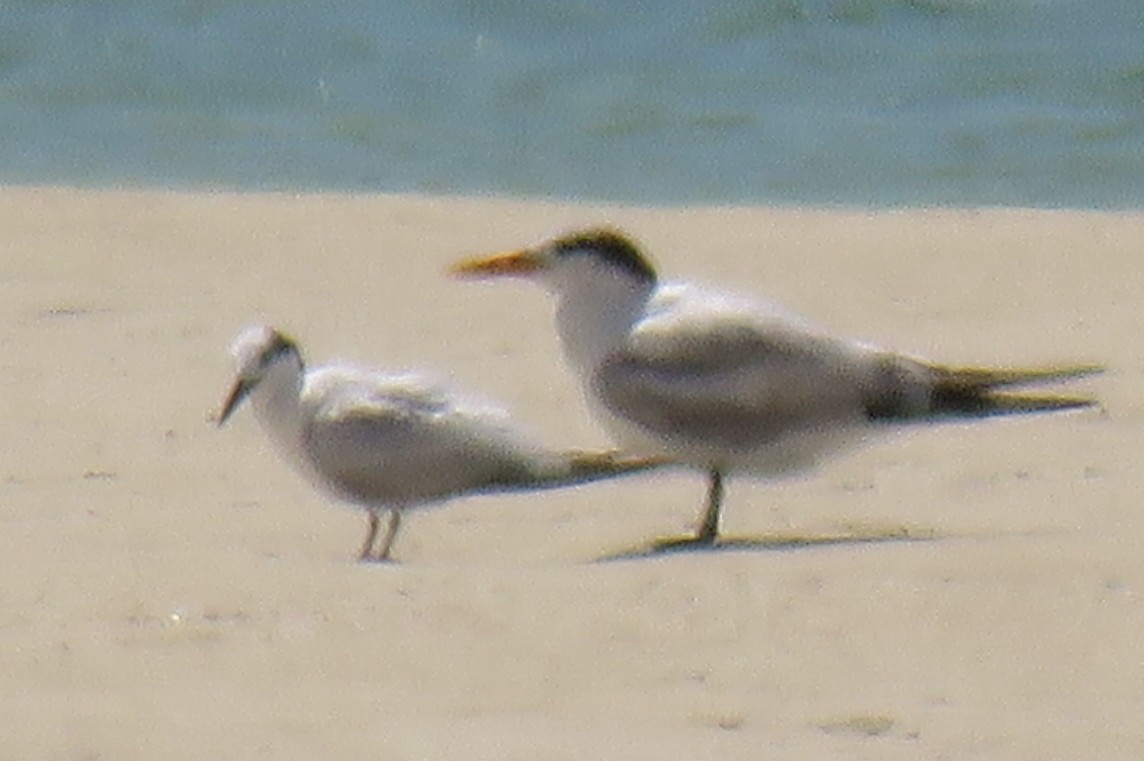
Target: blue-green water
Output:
{"points": [[857, 102]]}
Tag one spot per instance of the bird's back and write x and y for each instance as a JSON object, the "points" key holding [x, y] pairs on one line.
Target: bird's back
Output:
{"points": [[725, 379], [744, 384], [404, 439]]}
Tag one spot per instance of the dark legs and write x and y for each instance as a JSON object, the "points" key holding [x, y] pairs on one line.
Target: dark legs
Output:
{"points": [[708, 531], [390, 534], [371, 535], [706, 534]]}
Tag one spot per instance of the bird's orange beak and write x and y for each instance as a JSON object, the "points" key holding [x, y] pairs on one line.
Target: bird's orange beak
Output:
{"points": [[511, 264]]}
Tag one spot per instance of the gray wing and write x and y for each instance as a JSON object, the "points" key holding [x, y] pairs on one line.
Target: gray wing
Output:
{"points": [[732, 383], [402, 448]]}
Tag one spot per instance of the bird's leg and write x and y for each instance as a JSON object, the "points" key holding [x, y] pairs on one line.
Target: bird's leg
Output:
{"points": [[390, 534], [709, 528], [370, 536]]}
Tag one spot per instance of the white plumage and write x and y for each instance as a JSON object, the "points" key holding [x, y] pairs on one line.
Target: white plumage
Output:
{"points": [[731, 384], [394, 441]]}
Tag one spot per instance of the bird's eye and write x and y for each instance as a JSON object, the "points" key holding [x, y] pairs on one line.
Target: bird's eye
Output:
{"points": [[275, 351]]}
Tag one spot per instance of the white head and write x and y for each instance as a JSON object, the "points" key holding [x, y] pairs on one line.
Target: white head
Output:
{"points": [[259, 352], [601, 282], [597, 258]]}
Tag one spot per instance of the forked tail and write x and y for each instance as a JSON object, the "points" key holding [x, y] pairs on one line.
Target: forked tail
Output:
{"points": [[978, 392], [970, 392]]}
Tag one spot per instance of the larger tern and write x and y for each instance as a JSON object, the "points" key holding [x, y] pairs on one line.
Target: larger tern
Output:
{"points": [[394, 441], [729, 384]]}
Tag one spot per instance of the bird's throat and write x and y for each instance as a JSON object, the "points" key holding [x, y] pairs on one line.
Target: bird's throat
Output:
{"points": [[594, 322]]}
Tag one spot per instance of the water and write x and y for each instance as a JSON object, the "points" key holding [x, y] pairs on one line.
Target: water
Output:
{"points": [[855, 102]]}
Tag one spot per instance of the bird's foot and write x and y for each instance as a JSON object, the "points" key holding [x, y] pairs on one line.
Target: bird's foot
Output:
{"points": [[376, 559], [700, 541]]}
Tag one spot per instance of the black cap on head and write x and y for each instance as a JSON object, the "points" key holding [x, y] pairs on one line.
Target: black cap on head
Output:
{"points": [[611, 245], [278, 345]]}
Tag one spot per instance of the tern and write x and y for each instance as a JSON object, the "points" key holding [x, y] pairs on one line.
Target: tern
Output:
{"points": [[730, 384], [394, 441]]}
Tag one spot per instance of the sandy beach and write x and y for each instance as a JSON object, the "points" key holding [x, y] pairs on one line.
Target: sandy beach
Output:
{"points": [[172, 591]]}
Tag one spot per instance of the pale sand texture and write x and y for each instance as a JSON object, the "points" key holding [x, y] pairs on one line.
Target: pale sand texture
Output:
{"points": [[171, 591]]}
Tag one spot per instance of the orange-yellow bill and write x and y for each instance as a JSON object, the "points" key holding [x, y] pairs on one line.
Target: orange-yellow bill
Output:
{"points": [[519, 263]]}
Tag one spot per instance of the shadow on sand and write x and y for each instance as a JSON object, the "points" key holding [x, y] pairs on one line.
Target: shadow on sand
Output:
{"points": [[771, 542]]}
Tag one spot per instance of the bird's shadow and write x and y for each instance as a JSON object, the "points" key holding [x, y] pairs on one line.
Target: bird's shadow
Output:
{"points": [[770, 543]]}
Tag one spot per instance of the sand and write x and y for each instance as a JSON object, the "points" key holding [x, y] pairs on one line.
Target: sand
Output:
{"points": [[172, 591]]}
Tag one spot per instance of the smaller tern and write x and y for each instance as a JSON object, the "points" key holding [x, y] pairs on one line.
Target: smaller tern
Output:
{"points": [[394, 441], [729, 384]]}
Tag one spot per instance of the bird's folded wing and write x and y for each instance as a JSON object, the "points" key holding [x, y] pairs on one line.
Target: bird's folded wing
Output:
{"points": [[352, 444], [412, 443], [731, 383]]}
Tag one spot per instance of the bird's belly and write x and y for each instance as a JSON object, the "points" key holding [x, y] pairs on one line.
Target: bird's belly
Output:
{"points": [[785, 453]]}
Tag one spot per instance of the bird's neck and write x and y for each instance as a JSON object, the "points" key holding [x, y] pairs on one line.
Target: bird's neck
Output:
{"points": [[594, 318], [276, 402]]}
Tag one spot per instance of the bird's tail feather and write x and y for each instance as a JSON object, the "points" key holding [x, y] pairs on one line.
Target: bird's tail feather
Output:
{"points": [[573, 467], [591, 466], [960, 392], [993, 378]]}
